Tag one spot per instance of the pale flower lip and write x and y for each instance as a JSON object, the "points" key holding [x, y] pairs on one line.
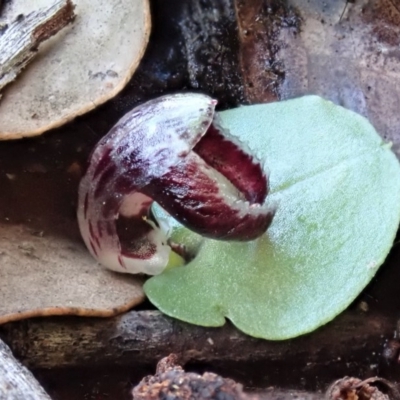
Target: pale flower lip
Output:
{"points": [[171, 150]]}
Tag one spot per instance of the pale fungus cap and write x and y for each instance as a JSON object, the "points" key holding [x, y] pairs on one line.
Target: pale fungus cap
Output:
{"points": [[78, 69]]}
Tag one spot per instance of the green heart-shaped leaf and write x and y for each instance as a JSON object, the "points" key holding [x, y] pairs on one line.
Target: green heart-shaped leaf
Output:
{"points": [[336, 186]]}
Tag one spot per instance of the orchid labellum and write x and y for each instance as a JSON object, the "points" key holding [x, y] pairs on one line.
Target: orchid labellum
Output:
{"points": [[171, 150]]}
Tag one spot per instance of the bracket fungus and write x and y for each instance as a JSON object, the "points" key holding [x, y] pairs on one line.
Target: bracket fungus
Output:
{"points": [[94, 60], [172, 150]]}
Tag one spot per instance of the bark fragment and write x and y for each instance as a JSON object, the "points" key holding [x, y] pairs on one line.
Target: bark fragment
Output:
{"points": [[20, 39], [259, 24], [16, 382]]}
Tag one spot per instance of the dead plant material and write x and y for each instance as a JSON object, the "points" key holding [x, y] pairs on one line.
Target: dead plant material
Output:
{"points": [[349, 388], [173, 383]]}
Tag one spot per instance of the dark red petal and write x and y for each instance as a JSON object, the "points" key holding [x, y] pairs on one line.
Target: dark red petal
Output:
{"points": [[222, 152], [192, 192]]}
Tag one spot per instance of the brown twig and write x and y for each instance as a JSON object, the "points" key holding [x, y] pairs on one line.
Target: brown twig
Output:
{"points": [[147, 335]]}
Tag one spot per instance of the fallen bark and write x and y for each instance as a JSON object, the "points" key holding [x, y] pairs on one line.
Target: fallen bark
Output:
{"points": [[16, 382], [147, 336], [20, 39], [259, 24], [210, 46]]}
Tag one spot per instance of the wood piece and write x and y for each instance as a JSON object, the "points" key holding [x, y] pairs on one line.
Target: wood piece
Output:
{"points": [[16, 381], [259, 25], [210, 46], [20, 39], [347, 54], [146, 336]]}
